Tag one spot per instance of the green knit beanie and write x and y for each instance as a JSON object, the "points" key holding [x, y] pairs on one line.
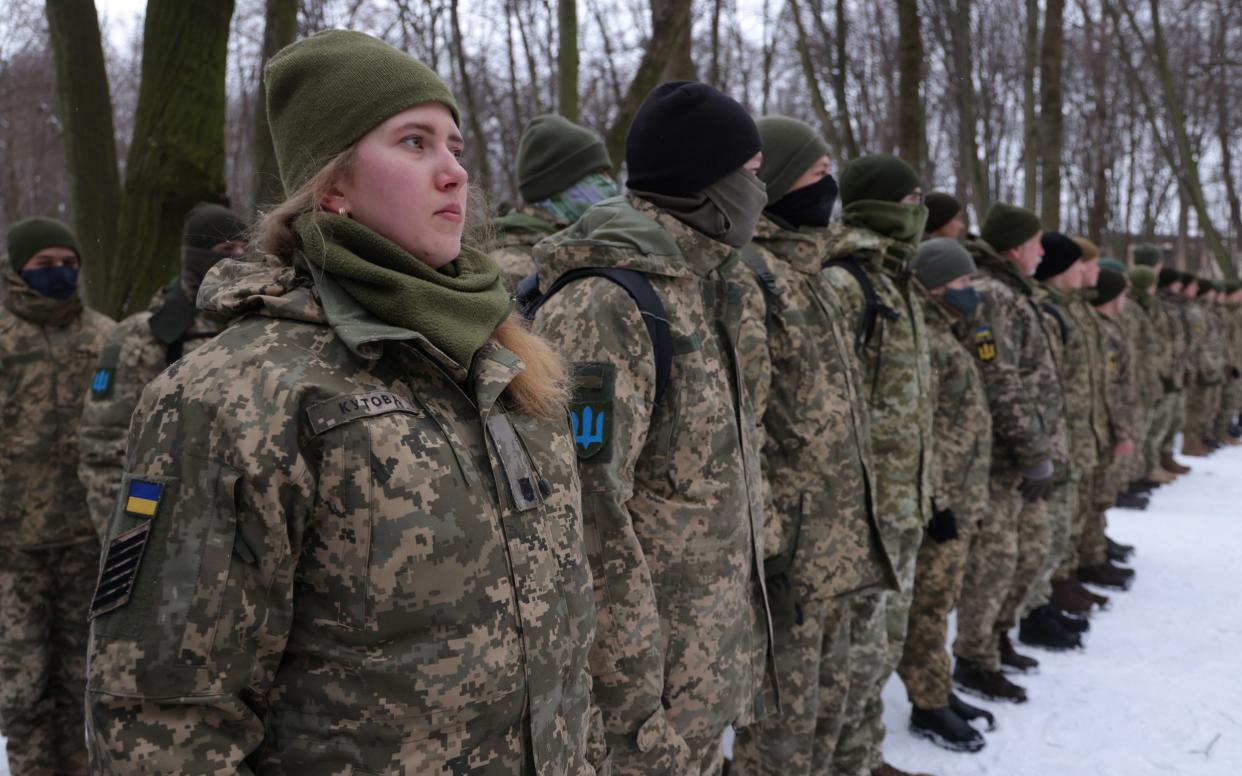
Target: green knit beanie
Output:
{"points": [[26, 238], [877, 177], [554, 154], [942, 261], [326, 91], [941, 208], [1108, 262], [1008, 226], [1148, 255], [1141, 279], [209, 224], [790, 147]]}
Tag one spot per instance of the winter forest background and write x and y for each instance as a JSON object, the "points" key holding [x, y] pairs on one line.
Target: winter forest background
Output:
{"points": [[1118, 119]]}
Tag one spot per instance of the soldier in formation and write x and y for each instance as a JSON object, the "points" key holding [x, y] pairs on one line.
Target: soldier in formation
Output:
{"points": [[669, 460]]}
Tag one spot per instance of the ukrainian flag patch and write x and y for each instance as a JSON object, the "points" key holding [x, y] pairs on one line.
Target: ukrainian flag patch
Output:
{"points": [[143, 498]]}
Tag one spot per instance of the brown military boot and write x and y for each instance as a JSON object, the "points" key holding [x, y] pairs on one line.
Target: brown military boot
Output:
{"points": [[1169, 464], [888, 770], [1195, 448], [1160, 476], [1065, 596]]}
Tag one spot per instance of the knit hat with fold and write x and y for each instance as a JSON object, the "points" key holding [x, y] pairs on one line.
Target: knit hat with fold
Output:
{"points": [[554, 154]]}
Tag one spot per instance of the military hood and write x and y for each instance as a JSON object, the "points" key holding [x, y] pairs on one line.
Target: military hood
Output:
{"points": [[872, 249], [29, 305], [804, 249], [988, 259], [629, 233]]}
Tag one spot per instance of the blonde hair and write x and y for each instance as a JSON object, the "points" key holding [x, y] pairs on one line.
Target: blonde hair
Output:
{"points": [[541, 389]]}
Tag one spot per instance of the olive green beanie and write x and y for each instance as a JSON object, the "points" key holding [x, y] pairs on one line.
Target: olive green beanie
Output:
{"points": [[26, 238], [326, 91], [1148, 255], [1008, 226], [942, 261], [941, 208], [790, 147], [1090, 251], [554, 154], [1141, 279], [877, 177], [209, 224]]}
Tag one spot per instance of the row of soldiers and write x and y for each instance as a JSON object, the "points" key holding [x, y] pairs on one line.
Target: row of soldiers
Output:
{"points": [[801, 442]]}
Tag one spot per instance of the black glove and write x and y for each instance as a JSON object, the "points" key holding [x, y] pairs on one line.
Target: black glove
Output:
{"points": [[943, 525], [1037, 481]]}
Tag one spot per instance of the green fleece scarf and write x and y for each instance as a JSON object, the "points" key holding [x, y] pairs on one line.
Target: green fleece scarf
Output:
{"points": [[457, 312], [894, 220]]}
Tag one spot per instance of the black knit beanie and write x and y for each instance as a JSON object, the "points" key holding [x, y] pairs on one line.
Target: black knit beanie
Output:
{"points": [[941, 208], [685, 137], [1168, 276], [209, 224], [1109, 286], [1060, 253], [880, 177], [1008, 227], [554, 154]]}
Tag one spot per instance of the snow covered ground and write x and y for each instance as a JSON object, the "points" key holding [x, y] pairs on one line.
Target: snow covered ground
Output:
{"points": [[1158, 690]]}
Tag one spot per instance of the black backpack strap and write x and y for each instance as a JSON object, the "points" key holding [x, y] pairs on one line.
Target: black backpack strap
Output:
{"points": [[871, 303], [645, 297], [1055, 313], [753, 258]]}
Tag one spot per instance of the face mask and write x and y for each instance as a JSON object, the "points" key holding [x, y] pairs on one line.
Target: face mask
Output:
{"points": [[895, 220], [964, 300], [740, 197], [53, 282], [571, 203], [808, 206]]}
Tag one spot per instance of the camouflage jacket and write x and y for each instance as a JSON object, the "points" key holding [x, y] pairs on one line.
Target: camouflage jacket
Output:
{"points": [[1146, 355], [821, 523], [516, 234], [1173, 322], [352, 555], [1028, 414], [1164, 361], [1120, 383], [963, 425], [131, 357], [47, 349], [672, 494], [896, 368], [1207, 350], [1077, 364]]}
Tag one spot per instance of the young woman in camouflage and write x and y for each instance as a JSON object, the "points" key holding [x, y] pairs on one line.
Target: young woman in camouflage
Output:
{"points": [[348, 538]]}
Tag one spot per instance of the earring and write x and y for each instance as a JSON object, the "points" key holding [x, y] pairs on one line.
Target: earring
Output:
{"points": [[343, 212]]}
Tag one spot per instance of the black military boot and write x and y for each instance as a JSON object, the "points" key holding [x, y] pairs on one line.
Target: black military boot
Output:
{"points": [[971, 713], [974, 679], [1074, 623], [944, 728], [1142, 487], [1041, 629], [1104, 575], [1118, 552], [1068, 596], [1014, 659], [1131, 501], [1101, 602]]}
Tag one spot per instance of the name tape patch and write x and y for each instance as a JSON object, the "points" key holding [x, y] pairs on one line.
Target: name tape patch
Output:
{"points": [[343, 409]]}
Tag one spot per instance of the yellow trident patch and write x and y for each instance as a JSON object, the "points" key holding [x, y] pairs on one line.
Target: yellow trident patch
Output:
{"points": [[985, 343]]}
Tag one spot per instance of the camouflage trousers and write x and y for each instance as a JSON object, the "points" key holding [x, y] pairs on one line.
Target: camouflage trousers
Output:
{"points": [[1230, 403], [868, 646], [1176, 423], [941, 567], [1162, 418], [862, 732], [1034, 547], [1202, 406], [1082, 505], [1061, 507], [813, 663], [989, 574], [44, 597], [1093, 546]]}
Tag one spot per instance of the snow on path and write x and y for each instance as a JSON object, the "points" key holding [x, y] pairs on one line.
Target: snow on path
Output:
{"points": [[1158, 691]]}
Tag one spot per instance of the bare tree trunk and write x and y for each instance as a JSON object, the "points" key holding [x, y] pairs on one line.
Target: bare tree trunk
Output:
{"points": [[567, 59], [280, 28], [812, 79], [670, 18], [838, 82], [1051, 137], [479, 140], [912, 133], [1224, 126], [1030, 158], [176, 159], [680, 64], [515, 105], [713, 74], [89, 137], [769, 53], [614, 80]]}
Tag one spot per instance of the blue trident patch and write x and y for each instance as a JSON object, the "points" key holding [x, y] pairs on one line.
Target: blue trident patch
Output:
{"points": [[591, 427], [101, 383]]}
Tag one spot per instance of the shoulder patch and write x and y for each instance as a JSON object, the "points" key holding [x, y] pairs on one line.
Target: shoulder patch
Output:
{"points": [[105, 372], [985, 343], [119, 570], [590, 411], [143, 498], [349, 407]]}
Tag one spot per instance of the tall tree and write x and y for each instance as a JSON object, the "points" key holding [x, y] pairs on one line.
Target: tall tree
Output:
{"points": [[567, 59], [89, 137], [1030, 155], [280, 28], [176, 158], [1051, 55], [912, 132], [670, 18], [680, 65], [478, 139]]}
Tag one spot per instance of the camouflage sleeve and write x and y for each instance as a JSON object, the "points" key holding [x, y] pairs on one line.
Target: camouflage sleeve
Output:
{"points": [[130, 359], [940, 362], [181, 658], [1017, 431], [602, 333]]}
